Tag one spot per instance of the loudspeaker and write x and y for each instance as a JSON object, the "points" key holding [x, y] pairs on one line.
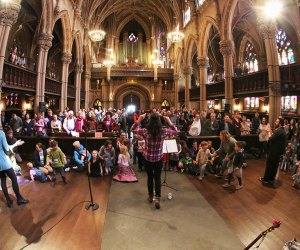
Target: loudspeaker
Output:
{"points": [[42, 107], [227, 108]]}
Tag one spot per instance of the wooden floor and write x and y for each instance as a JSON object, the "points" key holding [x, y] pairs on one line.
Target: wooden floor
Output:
{"points": [[247, 212], [250, 211], [80, 229]]}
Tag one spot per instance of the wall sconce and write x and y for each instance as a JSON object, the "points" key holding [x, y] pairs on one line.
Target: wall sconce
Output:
{"points": [[110, 96], [152, 97]]}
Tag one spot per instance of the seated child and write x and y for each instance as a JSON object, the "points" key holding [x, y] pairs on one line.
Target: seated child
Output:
{"points": [[235, 169], [174, 158], [107, 162], [203, 158], [186, 164], [296, 177], [95, 166], [36, 174]]}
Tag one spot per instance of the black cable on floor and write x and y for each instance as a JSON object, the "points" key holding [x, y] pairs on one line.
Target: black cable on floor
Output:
{"points": [[57, 222]]}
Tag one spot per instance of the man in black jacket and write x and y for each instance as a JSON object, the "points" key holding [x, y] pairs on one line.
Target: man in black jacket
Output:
{"points": [[277, 143]]}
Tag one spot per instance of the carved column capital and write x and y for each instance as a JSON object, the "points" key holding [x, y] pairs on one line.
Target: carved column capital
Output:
{"points": [[267, 29], [203, 62], [66, 58], [226, 47], [176, 77], [275, 86], [87, 76], [78, 68], [9, 14], [45, 41], [188, 70]]}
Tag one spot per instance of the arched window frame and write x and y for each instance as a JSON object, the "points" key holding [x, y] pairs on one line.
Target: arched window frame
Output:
{"points": [[250, 58], [285, 49]]}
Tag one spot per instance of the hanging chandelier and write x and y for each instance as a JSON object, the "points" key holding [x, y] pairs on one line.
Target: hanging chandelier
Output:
{"points": [[175, 36], [97, 35]]}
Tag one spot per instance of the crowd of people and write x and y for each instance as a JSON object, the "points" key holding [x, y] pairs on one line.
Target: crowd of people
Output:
{"points": [[140, 137]]}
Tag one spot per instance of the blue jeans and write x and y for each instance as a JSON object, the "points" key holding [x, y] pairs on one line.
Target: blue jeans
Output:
{"points": [[62, 173]]}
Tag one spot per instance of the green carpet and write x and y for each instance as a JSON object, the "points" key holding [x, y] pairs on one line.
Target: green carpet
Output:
{"points": [[185, 222]]}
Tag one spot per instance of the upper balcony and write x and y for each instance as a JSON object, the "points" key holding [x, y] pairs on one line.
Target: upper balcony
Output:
{"points": [[137, 71]]}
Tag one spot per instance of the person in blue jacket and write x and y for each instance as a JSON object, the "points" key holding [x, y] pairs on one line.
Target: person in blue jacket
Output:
{"points": [[7, 170], [80, 153]]}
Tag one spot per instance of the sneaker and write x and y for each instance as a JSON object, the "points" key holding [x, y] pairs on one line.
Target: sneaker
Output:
{"points": [[226, 185], [181, 171], [218, 175], [67, 169], [238, 187], [200, 178]]}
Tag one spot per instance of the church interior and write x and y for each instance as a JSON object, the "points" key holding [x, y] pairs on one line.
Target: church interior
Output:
{"points": [[100, 60]]}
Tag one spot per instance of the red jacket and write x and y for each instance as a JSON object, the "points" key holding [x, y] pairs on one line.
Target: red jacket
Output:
{"points": [[109, 127]]}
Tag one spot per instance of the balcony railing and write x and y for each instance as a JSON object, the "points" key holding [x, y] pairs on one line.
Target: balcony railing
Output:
{"points": [[254, 83], [133, 72], [71, 91], [52, 86], [215, 90], [18, 77]]}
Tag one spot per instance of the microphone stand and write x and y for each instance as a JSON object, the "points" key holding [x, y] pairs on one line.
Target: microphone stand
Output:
{"points": [[90, 204]]}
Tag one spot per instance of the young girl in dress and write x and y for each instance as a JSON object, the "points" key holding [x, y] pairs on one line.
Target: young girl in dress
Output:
{"points": [[125, 173], [95, 166]]}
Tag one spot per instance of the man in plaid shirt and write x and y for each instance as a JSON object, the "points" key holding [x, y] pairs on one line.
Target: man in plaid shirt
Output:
{"points": [[154, 135]]}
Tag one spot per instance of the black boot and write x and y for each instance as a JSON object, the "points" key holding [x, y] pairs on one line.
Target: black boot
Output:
{"points": [[22, 201]]}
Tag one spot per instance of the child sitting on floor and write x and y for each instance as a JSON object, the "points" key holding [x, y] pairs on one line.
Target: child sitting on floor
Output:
{"points": [[186, 163], [36, 174], [296, 177], [236, 167], [95, 166]]}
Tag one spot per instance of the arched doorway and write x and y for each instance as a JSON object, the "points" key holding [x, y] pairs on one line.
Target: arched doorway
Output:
{"points": [[131, 102]]}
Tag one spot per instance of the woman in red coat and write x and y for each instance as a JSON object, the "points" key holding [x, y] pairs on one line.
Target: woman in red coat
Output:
{"points": [[108, 123]]}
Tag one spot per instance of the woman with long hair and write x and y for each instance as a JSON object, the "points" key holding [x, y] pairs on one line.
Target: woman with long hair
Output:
{"points": [[7, 170], [154, 135]]}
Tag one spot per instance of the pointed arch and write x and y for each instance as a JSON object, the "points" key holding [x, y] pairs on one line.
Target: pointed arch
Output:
{"points": [[77, 41], [209, 23], [191, 42], [139, 20], [67, 31]]}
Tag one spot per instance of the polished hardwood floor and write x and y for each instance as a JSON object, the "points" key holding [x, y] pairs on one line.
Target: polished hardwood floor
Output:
{"points": [[250, 210], [80, 229], [247, 212]]}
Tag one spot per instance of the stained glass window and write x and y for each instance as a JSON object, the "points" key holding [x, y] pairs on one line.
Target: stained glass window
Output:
{"points": [[250, 59], [289, 103], [187, 13], [97, 103], [165, 104], [199, 3], [284, 46]]}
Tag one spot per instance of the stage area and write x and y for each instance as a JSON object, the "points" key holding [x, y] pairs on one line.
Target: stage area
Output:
{"points": [[185, 222], [201, 215]]}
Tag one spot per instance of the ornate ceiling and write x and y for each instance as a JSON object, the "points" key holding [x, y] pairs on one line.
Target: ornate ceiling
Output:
{"points": [[100, 13]]}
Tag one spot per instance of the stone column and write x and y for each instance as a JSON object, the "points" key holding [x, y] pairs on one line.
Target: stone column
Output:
{"points": [[203, 65], [268, 31], [140, 48], [78, 72], [66, 60], [149, 53], [105, 93], [188, 71], [87, 82], [8, 16], [44, 43], [226, 49], [176, 83]]}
